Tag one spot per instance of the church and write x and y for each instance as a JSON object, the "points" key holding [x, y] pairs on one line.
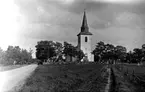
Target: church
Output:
{"points": [[85, 39]]}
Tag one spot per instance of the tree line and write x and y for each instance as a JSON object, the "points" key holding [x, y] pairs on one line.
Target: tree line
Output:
{"points": [[103, 52], [17, 54], [55, 51]]}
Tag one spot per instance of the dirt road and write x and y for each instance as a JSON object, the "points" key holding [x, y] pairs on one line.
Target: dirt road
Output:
{"points": [[12, 80]]}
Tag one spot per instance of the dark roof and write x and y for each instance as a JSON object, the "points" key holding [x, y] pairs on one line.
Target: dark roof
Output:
{"points": [[85, 33], [84, 23], [84, 28]]}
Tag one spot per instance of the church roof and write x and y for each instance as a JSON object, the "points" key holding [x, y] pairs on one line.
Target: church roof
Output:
{"points": [[84, 23], [85, 33], [84, 27]]}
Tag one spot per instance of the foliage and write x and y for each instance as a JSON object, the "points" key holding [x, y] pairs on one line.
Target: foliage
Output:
{"points": [[15, 53], [70, 50], [80, 54], [43, 50], [109, 52], [105, 52], [2, 56], [99, 50], [48, 49], [121, 53], [137, 54]]}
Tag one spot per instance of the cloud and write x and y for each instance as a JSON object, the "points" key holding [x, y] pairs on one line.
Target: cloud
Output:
{"points": [[121, 1], [54, 20], [128, 19]]}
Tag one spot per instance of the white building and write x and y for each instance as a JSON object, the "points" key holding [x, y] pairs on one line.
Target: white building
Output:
{"points": [[85, 39]]}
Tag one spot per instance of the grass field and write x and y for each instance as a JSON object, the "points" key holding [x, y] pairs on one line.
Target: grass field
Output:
{"points": [[132, 69], [83, 78], [134, 74], [66, 78]]}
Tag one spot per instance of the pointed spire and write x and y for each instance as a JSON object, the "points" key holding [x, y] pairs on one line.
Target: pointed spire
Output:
{"points": [[84, 23], [84, 27]]}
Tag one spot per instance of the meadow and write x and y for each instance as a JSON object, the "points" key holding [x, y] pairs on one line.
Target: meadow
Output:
{"points": [[67, 78], [134, 75], [91, 77]]}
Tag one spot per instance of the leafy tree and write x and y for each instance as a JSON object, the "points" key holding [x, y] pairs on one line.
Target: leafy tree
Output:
{"points": [[121, 53], [43, 50], [79, 53], [72, 51], [143, 47], [26, 56], [143, 52], [98, 51], [58, 48], [105, 52], [69, 50], [129, 57], [108, 52], [15, 53], [48, 50], [2, 56], [138, 54]]}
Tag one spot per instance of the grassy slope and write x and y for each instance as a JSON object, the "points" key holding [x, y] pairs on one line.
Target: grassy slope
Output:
{"points": [[64, 78]]}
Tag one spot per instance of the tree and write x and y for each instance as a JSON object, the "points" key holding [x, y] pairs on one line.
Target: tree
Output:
{"points": [[68, 50], [44, 50], [105, 52], [98, 51], [49, 50], [121, 53], [58, 48], [72, 51], [138, 54], [80, 54], [15, 53], [129, 57], [2, 56], [26, 56], [143, 47], [108, 53]]}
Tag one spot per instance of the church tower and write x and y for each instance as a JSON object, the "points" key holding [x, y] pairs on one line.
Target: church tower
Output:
{"points": [[85, 39]]}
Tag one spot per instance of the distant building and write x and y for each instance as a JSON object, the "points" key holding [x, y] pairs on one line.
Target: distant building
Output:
{"points": [[85, 39]]}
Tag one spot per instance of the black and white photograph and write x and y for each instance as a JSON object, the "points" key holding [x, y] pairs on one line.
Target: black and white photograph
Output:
{"points": [[72, 45]]}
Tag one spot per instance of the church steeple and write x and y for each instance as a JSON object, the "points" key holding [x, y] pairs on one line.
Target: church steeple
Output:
{"points": [[85, 39], [84, 23], [84, 27]]}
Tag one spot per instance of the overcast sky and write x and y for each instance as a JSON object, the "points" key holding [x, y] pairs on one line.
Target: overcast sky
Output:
{"points": [[24, 22]]}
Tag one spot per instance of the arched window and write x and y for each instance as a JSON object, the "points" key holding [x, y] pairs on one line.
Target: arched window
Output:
{"points": [[86, 39]]}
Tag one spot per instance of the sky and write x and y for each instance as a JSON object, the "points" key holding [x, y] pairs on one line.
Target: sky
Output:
{"points": [[25, 22]]}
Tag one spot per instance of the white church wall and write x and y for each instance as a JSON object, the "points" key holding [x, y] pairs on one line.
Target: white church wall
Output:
{"points": [[86, 46]]}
